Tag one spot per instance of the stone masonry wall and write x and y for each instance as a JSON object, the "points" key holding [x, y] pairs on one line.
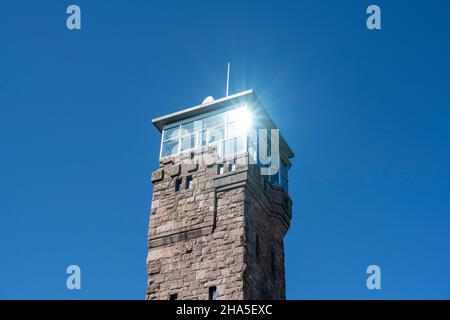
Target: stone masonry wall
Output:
{"points": [[205, 236]]}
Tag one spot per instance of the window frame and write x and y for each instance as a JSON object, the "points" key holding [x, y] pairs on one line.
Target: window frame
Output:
{"points": [[205, 129]]}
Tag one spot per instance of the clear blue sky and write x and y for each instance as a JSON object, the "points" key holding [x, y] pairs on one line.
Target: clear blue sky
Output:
{"points": [[366, 112]]}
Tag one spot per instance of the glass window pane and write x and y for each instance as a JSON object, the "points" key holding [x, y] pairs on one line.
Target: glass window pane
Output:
{"points": [[216, 120], [241, 144], [230, 147], [171, 134], [198, 125], [188, 142], [236, 114], [169, 148], [236, 129], [191, 127], [216, 134], [202, 138], [236, 146], [187, 129]]}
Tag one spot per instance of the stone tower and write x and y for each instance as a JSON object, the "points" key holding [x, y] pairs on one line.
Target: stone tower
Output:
{"points": [[219, 214]]}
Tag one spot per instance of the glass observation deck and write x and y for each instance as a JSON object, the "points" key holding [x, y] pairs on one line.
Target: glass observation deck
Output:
{"points": [[226, 124], [226, 130]]}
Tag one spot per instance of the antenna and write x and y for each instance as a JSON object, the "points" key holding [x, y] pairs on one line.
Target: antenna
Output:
{"points": [[228, 79]]}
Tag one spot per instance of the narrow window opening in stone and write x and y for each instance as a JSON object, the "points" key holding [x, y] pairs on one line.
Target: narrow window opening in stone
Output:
{"points": [[232, 167], [188, 182], [178, 184], [173, 296], [213, 293], [220, 168], [257, 246]]}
